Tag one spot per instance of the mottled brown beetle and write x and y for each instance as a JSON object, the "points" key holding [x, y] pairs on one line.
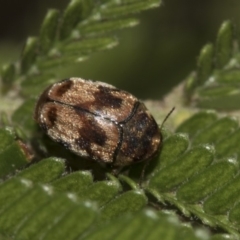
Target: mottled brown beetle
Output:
{"points": [[98, 121]]}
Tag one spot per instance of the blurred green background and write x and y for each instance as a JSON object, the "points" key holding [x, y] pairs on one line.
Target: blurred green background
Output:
{"points": [[150, 59]]}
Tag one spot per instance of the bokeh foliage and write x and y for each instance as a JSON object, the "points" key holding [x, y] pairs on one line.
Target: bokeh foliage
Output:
{"points": [[189, 191]]}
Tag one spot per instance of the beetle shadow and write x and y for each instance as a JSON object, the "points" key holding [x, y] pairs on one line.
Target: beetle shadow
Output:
{"points": [[143, 170], [44, 147]]}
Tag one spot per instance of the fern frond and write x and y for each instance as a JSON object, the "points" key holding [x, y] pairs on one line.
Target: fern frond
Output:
{"points": [[190, 175], [203, 180], [217, 78], [68, 38], [195, 178]]}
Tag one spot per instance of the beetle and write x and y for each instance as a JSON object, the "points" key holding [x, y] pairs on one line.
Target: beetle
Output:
{"points": [[98, 121]]}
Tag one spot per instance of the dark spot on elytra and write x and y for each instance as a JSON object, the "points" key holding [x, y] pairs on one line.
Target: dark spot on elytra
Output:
{"points": [[152, 130], [52, 115], [132, 145], [84, 145], [93, 132], [149, 132], [104, 97], [138, 136], [142, 120], [64, 87], [90, 133]]}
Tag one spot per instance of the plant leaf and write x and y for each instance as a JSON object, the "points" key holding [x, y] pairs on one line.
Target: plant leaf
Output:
{"points": [[217, 78], [48, 30], [68, 38], [45, 171], [147, 224], [130, 201], [195, 175], [208, 192], [12, 155]]}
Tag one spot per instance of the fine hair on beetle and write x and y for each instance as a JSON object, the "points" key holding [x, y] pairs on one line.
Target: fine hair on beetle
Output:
{"points": [[98, 122]]}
